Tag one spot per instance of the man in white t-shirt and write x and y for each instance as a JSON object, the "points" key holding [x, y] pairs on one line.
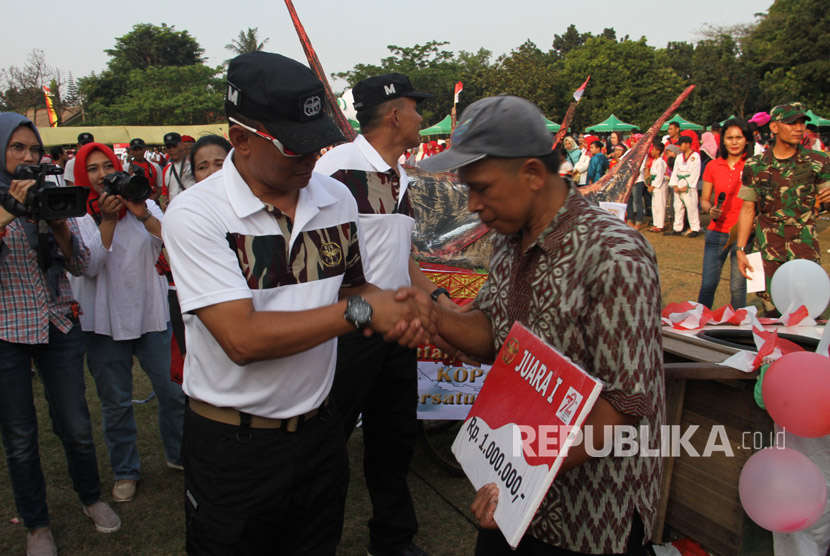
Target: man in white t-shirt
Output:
{"points": [[69, 169], [177, 174], [262, 253], [374, 378]]}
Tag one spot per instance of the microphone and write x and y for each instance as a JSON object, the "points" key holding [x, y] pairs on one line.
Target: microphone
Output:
{"points": [[721, 199]]}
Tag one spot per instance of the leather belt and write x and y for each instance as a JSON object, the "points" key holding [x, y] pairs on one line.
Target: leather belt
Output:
{"points": [[230, 416]]}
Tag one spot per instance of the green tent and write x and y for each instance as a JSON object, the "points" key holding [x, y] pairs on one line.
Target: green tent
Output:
{"points": [[732, 117], [552, 127], [817, 120], [683, 123], [444, 127], [611, 124]]}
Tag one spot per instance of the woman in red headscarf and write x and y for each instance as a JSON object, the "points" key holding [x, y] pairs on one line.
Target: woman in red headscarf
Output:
{"points": [[125, 312]]}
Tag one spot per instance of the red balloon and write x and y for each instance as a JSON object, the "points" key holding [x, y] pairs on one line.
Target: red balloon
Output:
{"points": [[782, 490], [796, 391]]}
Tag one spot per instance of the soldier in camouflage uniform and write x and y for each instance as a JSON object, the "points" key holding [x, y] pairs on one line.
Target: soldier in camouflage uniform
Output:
{"points": [[782, 186]]}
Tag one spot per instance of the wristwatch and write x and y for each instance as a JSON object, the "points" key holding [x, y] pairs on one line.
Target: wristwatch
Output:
{"points": [[436, 293], [358, 311], [146, 216], [741, 249]]}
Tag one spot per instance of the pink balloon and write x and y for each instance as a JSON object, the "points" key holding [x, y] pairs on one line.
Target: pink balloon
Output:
{"points": [[782, 490], [796, 391]]}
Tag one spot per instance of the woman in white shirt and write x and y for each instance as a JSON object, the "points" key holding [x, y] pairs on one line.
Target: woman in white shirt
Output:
{"points": [[124, 314]]}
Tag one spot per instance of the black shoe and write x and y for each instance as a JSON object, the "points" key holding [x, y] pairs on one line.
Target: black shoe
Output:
{"points": [[411, 550], [672, 233], [692, 234]]}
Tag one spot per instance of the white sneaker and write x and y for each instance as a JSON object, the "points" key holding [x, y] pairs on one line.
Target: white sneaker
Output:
{"points": [[124, 490], [105, 519]]}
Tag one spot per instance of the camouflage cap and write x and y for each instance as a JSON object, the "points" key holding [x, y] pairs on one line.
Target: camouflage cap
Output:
{"points": [[788, 113]]}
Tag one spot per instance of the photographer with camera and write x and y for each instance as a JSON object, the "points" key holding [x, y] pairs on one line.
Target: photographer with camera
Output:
{"points": [[125, 310], [152, 171], [40, 325]]}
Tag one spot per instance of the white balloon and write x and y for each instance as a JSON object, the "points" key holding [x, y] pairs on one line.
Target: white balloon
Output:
{"points": [[800, 282]]}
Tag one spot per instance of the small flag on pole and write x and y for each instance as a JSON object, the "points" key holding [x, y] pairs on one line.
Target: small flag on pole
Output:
{"points": [[579, 92], [458, 88]]}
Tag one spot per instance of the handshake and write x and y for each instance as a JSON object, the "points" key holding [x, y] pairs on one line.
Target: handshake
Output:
{"points": [[407, 316]]}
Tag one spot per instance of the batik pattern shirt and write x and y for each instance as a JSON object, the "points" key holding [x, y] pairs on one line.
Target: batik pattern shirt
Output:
{"points": [[589, 287]]}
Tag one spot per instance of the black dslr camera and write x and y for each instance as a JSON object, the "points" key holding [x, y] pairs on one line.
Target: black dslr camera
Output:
{"points": [[45, 200], [133, 188]]}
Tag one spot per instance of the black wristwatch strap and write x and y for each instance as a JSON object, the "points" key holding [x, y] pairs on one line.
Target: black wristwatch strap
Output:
{"points": [[438, 292]]}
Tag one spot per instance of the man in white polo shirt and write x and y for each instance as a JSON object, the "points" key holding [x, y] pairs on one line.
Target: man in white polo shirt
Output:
{"points": [[373, 377], [261, 252]]}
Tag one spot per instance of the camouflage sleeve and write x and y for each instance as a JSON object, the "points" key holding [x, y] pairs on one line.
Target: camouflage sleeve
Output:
{"points": [[747, 191], [823, 180], [354, 275]]}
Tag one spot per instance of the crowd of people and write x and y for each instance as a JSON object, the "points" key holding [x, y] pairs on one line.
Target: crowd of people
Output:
{"points": [[686, 174], [271, 297]]}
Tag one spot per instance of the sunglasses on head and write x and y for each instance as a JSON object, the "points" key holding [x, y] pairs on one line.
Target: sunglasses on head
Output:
{"points": [[276, 142]]}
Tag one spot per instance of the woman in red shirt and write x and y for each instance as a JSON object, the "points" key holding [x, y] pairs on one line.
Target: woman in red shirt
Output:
{"points": [[721, 183]]}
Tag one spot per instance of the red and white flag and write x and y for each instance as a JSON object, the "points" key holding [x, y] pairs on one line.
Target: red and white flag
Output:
{"points": [[581, 91], [458, 88]]}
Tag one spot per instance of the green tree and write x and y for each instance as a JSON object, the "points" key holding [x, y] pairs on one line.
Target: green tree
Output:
{"points": [[110, 95], [725, 83], [149, 45], [530, 73], [431, 69], [246, 42], [569, 40], [166, 95], [73, 95], [629, 79], [790, 47], [680, 56]]}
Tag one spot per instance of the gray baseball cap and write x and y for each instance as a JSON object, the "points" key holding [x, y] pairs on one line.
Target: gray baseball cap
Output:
{"points": [[501, 127]]}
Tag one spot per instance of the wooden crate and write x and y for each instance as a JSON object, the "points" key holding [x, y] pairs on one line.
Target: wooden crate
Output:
{"points": [[700, 494]]}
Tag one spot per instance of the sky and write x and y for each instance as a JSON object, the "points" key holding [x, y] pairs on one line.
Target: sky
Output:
{"points": [[74, 34]]}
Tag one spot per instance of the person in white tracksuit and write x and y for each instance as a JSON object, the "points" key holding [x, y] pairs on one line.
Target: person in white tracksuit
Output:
{"points": [[684, 178]]}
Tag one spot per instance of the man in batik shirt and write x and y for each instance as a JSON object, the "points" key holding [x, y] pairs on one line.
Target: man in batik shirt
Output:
{"points": [[588, 285]]}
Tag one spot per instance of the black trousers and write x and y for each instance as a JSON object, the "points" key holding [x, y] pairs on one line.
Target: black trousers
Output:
{"points": [[264, 491], [380, 380], [491, 542], [176, 320]]}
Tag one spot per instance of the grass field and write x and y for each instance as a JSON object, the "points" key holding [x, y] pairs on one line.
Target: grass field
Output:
{"points": [[153, 524]]}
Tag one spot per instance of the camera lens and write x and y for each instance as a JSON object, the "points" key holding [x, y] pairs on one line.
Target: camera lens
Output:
{"points": [[61, 203], [137, 188]]}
